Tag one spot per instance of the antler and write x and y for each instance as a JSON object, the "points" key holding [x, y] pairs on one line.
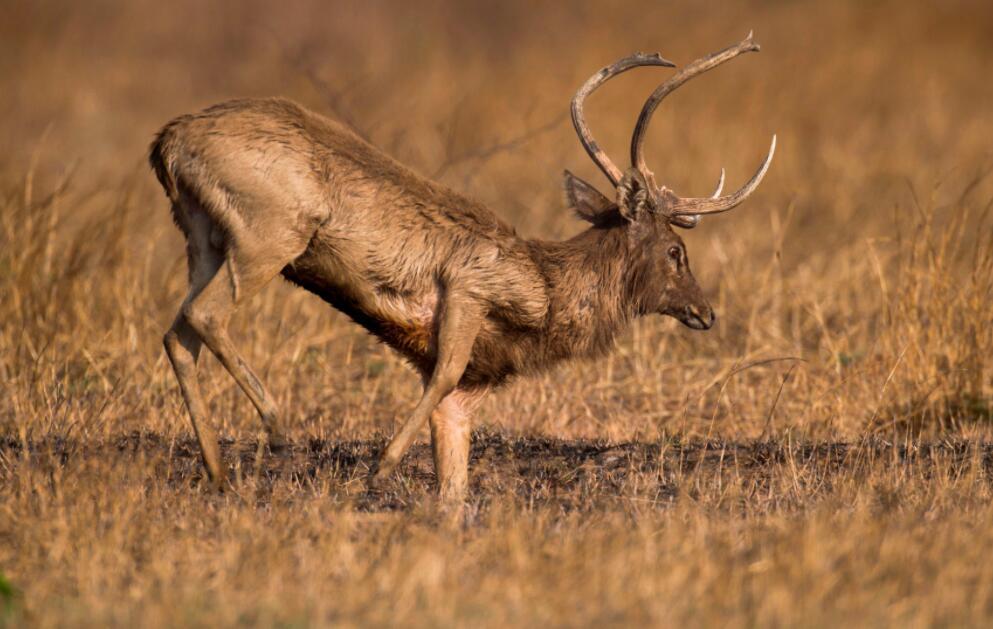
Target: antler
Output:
{"points": [[690, 209], [598, 155]]}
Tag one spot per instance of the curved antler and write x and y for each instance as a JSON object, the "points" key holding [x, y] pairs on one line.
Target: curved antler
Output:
{"points": [[690, 209], [606, 73], [694, 69]]}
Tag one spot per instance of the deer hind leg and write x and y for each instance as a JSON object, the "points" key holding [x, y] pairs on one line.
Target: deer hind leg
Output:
{"points": [[461, 317], [246, 269], [182, 344]]}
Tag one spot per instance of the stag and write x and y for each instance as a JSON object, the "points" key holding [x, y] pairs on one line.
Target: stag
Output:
{"points": [[264, 187]]}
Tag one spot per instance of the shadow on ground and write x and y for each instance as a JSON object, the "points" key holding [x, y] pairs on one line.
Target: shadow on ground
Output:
{"points": [[571, 474]]}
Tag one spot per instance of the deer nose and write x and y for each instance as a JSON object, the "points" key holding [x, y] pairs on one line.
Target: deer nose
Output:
{"points": [[702, 318]]}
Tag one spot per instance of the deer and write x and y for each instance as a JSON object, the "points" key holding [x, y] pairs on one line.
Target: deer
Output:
{"points": [[262, 188]]}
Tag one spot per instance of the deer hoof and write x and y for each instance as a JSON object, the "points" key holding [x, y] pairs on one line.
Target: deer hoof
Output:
{"points": [[378, 478]]}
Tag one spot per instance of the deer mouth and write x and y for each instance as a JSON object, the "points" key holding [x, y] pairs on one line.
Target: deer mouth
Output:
{"points": [[697, 319]]}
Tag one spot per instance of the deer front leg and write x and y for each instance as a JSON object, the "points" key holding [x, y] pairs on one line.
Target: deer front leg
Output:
{"points": [[451, 433], [460, 317]]}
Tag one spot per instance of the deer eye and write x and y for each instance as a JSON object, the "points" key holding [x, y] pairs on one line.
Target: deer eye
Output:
{"points": [[675, 254]]}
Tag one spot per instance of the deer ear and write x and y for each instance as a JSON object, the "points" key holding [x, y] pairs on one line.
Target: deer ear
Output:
{"points": [[588, 203], [632, 196]]}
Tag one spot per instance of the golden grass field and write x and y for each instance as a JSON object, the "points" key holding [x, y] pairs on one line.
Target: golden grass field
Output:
{"points": [[822, 456]]}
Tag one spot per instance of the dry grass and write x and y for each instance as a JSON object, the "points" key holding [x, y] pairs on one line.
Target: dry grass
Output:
{"points": [[821, 456]]}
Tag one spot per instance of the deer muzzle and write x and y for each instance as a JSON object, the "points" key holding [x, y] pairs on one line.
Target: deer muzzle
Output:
{"points": [[698, 317]]}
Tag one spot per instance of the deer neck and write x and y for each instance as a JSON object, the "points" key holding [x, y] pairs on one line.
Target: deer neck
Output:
{"points": [[587, 284]]}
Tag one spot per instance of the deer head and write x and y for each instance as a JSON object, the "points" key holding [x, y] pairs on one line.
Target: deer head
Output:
{"points": [[659, 277]]}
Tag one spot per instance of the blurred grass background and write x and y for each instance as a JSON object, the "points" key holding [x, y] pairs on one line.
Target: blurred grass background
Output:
{"points": [[853, 294], [862, 253]]}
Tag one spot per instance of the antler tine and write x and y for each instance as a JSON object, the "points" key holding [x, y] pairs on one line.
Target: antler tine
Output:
{"points": [[716, 204], [694, 69], [720, 186], [690, 221], [598, 155]]}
